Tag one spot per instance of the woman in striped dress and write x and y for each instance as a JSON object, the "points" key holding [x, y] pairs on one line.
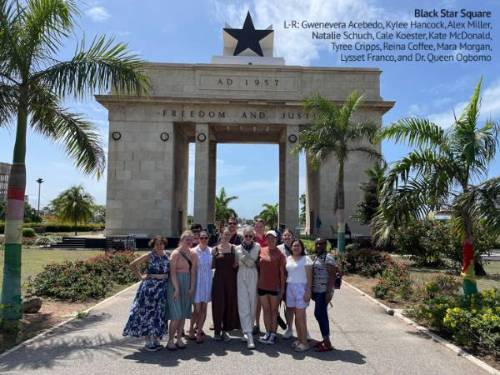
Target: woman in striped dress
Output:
{"points": [[203, 291]]}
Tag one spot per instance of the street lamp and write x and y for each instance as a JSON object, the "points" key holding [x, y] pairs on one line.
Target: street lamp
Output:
{"points": [[39, 186]]}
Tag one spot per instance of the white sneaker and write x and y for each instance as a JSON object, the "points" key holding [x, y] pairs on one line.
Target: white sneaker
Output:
{"points": [[288, 333], [250, 343]]}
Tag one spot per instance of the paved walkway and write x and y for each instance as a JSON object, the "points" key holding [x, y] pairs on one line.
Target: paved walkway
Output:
{"points": [[367, 341]]}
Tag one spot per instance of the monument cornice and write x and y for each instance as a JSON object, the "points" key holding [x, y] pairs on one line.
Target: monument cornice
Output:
{"points": [[267, 68], [109, 100]]}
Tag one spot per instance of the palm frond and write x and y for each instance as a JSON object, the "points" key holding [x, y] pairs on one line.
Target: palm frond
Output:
{"points": [[369, 151], [397, 207], [420, 162], [481, 203], [350, 106], [8, 103], [45, 23], [79, 137], [101, 67], [10, 30], [368, 130], [415, 132]]}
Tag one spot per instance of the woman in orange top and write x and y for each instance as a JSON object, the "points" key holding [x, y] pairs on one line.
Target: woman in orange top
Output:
{"points": [[271, 285]]}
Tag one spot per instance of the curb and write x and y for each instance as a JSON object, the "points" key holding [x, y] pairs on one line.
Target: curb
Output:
{"points": [[397, 313], [51, 329]]}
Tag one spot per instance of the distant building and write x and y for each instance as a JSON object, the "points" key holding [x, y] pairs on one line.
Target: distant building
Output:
{"points": [[4, 180]]}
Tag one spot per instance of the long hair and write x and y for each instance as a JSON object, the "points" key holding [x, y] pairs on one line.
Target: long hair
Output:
{"points": [[302, 247]]}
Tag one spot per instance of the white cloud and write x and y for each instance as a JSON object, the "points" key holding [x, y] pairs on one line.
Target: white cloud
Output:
{"points": [[297, 46], [98, 14], [490, 106]]}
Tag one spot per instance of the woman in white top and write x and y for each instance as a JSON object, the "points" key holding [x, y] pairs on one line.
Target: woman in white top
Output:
{"points": [[298, 291], [203, 291], [246, 255]]}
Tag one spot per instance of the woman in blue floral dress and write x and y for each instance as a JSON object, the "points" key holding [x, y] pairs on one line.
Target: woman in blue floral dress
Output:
{"points": [[147, 314]]}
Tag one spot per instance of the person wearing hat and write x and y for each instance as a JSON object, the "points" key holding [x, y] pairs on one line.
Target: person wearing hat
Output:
{"points": [[324, 270], [271, 285]]}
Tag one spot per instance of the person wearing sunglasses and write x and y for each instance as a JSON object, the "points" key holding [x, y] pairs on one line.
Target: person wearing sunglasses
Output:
{"points": [[203, 292], [323, 282], [236, 238], [247, 254]]}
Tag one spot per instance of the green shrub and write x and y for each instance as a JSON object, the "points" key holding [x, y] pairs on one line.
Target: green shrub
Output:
{"points": [[441, 285], [366, 262], [117, 265], [73, 281], [475, 322], [394, 283], [433, 243], [431, 312], [29, 233], [57, 227], [427, 241], [82, 280], [472, 321]]}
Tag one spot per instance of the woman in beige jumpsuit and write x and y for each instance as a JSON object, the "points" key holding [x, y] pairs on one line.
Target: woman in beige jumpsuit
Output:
{"points": [[247, 254]]}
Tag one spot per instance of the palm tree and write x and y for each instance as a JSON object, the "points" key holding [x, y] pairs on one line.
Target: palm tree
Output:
{"points": [[444, 169], [368, 207], [33, 85], [333, 132], [222, 210], [74, 205], [269, 214], [302, 215]]}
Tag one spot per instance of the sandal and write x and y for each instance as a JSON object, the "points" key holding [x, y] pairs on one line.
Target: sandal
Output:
{"points": [[323, 347], [301, 347]]}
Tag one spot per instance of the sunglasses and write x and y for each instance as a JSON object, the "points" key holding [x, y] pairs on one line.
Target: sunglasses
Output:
{"points": [[203, 238], [232, 223], [248, 236]]}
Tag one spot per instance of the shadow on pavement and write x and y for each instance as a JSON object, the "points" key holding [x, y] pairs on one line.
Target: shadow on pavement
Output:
{"points": [[54, 346], [210, 349]]}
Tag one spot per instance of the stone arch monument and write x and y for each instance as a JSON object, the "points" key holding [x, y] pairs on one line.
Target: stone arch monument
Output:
{"points": [[244, 96]]}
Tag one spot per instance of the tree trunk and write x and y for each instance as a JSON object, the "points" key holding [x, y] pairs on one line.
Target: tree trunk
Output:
{"points": [[339, 209], [468, 272], [11, 289]]}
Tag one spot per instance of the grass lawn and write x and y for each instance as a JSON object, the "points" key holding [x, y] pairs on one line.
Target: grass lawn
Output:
{"points": [[34, 259], [491, 280]]}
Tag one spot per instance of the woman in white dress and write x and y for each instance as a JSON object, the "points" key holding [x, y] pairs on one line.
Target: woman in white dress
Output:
{"points": [[203, 291]]}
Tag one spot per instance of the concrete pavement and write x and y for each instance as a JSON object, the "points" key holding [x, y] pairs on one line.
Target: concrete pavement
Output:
{"points": [[367, 341]]}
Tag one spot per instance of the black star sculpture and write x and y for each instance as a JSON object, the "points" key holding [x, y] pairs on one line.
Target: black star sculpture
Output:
{"points": [[248, 37]]}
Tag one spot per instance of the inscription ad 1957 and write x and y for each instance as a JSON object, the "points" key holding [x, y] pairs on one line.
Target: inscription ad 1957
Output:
{"points": [[422, 35]]}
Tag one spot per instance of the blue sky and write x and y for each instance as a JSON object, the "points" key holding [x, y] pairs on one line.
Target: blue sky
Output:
{"points": [[190, 31]]}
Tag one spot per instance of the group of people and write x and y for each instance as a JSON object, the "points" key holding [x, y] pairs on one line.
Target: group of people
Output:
{"points": [[243, 276]]}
